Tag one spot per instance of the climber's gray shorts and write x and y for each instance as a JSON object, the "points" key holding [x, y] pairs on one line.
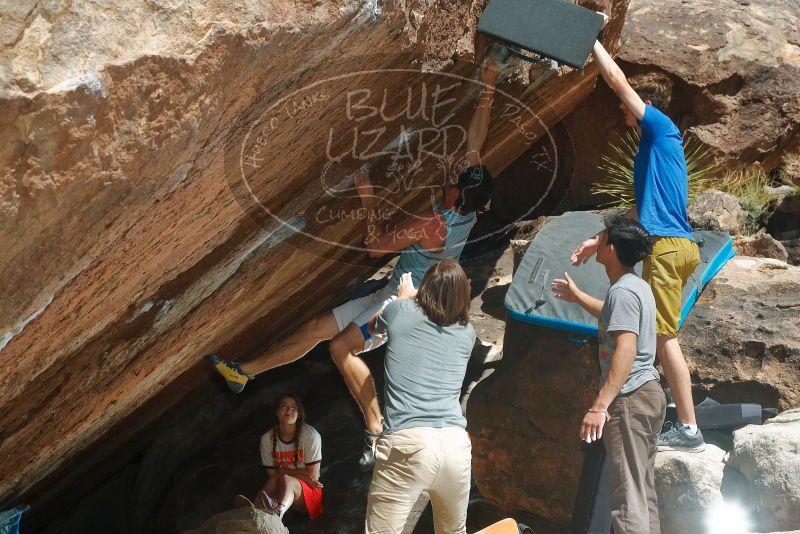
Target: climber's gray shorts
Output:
{"points": [[360, 311]]}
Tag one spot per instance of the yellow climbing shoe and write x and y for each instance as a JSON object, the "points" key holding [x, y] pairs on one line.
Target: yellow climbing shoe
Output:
{"points": [[230, 371]]}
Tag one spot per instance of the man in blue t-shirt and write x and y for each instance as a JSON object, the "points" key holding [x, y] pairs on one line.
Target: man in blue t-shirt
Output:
{"points": [[661, 185]]}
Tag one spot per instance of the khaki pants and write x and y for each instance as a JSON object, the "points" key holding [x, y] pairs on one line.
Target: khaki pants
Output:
{"points": [[666, 270], [631, 439], [409, 461]]}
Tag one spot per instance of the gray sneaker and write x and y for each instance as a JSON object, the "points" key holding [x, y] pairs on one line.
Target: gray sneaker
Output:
{"points": [[675, 438], [367, 459]]}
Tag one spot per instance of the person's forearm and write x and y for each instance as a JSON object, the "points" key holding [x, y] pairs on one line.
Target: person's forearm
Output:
{"points": [[589, 303], [479, 124], [609, 69], [618, 373]]}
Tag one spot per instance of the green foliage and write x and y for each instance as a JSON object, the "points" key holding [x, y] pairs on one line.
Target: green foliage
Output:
{"points": [[618, 168]]}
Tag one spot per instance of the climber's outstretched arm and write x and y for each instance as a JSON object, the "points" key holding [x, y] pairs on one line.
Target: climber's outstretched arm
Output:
{"points": [[617, 81], [479, 125], [427, 228]]}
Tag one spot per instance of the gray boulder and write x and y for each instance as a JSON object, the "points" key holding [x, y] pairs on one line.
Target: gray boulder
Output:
{"points": [[718, 211], [688, 486], [242, 521], [769, 456]]}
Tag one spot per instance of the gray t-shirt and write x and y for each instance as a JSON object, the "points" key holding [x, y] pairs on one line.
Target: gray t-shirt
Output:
{"points": [[424, 368], [629, 307]]}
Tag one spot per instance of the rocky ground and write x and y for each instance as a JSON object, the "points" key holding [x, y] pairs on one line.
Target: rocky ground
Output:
{"points": [[774, 234]]}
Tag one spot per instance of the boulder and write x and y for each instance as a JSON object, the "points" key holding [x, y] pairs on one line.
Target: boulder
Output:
{"points": [[761, 245], [781, 217], [242, 521], [718, 211], [688, 486], [524, 421], [742, 338], [176, 171], [769, 456], [792, 247]]}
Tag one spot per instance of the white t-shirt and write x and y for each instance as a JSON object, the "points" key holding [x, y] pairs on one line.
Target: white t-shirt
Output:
{"points": [[309, 450]]}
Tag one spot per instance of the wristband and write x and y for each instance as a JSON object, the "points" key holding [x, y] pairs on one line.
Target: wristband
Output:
{"points": [[591, 410]]}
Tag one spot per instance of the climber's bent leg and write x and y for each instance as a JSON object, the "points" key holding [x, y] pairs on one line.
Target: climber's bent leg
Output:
{"points": [[294, 346], [298, 344], [344, 349]]}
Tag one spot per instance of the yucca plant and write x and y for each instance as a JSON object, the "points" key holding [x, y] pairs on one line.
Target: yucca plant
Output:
{"points": [[618, 168]]}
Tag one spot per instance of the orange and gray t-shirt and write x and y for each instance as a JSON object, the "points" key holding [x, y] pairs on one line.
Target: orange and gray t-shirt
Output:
{"points": [[307, 452]]}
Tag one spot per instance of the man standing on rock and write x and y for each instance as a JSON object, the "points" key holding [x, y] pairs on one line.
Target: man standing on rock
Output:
{"points": [[661, 187], [422, 240], [630, 407]]}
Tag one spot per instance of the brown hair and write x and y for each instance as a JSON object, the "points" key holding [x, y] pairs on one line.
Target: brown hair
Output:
{"points": [[444, 293], [298, 427], [655, 87]]}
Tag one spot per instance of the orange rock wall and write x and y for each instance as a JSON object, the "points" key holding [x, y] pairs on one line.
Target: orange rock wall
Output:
{"points": [[130, 244]]}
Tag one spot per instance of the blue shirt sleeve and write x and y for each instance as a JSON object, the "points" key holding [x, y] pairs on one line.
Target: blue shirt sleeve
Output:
{"points": [[655, 124]]}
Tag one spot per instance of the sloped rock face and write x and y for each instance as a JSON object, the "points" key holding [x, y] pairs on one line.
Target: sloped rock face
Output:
{"points": [[164, 193], [732, 70], [741, 342], [742, 339]]}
